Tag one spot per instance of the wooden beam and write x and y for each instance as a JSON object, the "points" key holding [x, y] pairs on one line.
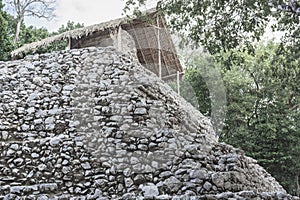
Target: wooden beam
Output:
{"points": [[159, 47], [160, 51], [178, 82], [119, 36], [69, 46], [172, 75]]}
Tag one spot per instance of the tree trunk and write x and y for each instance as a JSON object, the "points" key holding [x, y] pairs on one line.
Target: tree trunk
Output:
{"points": [[18, 30], [297, 185]]}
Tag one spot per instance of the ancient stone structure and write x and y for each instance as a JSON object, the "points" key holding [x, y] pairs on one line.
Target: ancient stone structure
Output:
{"points": [[93, 124]]}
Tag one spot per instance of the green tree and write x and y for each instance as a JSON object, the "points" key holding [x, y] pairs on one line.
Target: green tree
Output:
{"points": [[193, 86], [276, 113], [27, 35], [208, 87], [223, 25], [263, 104], [32, 34], [5, 42], [69, 26], [35, 8]]}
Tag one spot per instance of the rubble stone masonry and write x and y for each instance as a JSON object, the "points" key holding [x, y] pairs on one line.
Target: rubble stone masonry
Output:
{"points": [[93, 124]]}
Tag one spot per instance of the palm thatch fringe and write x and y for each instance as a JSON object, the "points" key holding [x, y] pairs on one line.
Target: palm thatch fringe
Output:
{"points": [[73, 34]]}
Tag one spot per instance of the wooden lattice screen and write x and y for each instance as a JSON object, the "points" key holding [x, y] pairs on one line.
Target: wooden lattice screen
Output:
{"points": [[145, 34]]}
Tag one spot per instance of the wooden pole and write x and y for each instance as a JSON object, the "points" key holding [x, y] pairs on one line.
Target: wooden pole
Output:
{"points": [[172, 75], [120, 38], [178, 82], [69, 40], [159, 47], [69, 43]]}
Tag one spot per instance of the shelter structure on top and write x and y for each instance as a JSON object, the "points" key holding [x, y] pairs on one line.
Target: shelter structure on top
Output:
{"points": [[146, 38]]}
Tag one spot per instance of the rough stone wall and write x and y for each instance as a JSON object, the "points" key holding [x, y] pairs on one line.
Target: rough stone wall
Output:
{"points": [[92, 124]]}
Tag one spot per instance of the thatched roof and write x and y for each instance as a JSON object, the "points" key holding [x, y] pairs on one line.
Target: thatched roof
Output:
{"points": [[73, 34]]}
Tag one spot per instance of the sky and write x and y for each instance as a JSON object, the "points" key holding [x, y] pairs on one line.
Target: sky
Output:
{"points": [[83, 11], [88, 12]]}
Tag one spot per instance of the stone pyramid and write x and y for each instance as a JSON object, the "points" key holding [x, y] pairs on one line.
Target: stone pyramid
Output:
{"points": [[93, 124]]}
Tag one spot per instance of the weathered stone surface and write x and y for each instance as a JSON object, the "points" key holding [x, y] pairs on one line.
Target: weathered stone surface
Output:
{"points": [[173, 184], [93, 124], [140, 111], [150, 191], [86, 165]]}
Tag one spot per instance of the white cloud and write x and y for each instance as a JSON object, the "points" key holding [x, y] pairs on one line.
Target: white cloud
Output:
{"points": [[83, 11]]}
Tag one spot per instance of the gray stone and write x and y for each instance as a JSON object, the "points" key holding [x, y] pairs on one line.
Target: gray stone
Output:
{"points": [[69, 87], [42, 197], [134, 160], [23, 71], [128, 196], [55, 141], [74, 123], [41, 113], [45, 72], [56, 75], [56, 88], [150, 191], [16, 189], [4, 135], [139, 179], [38, 81], [11, 197], [50, 127], [37, 121], [140, 111], [232, 159], [86, 165], [14, 147], [165, 174], [55, 111], [142, 147], [116, 118], [49, 120], [165, 197], [42, 167], [21, 110], [173, 184], [33, 96], [18, 161], [10, 152], [218, 180], [48, 186], [30, 110], [65, 162], [46, 79], [30, 175], [35, 155], [127, 172], [25, 127], [200, 174], [128, 182], [207, 186]]}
